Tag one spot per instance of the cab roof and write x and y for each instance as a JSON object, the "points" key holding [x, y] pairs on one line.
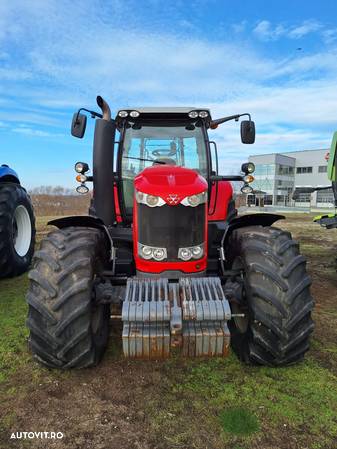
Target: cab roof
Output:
{"points": [[161, 114], [163, 109]]}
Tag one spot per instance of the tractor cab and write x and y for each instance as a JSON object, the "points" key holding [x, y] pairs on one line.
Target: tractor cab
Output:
{"points": [[157, 137]]}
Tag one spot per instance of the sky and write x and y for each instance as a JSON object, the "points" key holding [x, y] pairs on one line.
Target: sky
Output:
{"points": [[276, 60]]}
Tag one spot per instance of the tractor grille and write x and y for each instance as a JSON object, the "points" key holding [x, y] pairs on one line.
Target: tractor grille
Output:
{"points": [[171, 227]]}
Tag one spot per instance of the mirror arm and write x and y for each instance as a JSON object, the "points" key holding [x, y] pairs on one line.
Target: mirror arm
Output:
{"points": [[92, 113], [219, 121]]}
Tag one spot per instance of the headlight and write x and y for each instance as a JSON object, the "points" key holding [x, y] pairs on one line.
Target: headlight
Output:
{"points": [[151, 252], [82, 189], [145, 251], [81, 178], [184, 253], [195, 200], [248, 178], [193, 114], [123, 114], [134, 114], [159, 253], [81, 167], [192, 252], [149, 200], [248, 167], [203, 114], [197, 251], [246, 189]]}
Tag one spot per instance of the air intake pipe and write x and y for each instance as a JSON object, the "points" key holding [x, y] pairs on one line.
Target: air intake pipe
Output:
{"points": [[103, 161]]}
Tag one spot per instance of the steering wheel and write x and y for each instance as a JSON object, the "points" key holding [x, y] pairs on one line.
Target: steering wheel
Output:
{"points": [[163, 152]]}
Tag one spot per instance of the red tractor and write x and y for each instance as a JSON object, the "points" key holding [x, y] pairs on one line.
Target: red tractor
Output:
{"points": [[163, 250]]}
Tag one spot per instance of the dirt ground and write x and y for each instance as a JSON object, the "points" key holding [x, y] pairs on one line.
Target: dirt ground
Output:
{"points": [[177, 403]]}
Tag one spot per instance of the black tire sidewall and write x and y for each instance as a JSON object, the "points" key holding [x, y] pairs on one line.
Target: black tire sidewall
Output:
{"points": [[18, 197], [277, 296], [99, 339]]}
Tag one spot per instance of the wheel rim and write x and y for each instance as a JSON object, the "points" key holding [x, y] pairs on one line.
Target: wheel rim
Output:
{"points": [[241, 323], [98, 310], [22, 231], [96, 320]]}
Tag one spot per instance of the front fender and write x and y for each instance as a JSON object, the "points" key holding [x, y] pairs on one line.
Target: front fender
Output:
{"points": [[249, 220], [7, 174], [83, 221]]}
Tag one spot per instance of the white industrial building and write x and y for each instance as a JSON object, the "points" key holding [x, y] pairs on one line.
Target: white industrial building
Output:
{"points": [[277, 175]]}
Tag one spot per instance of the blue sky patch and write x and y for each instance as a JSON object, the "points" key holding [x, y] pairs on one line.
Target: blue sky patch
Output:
{"points": [[277, 60]]}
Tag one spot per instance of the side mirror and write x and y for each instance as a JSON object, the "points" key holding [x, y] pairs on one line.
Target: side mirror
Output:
{"points": [[247, 131], [78, 125]]}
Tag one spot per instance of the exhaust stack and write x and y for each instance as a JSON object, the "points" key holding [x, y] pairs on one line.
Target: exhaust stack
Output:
{"points": [[103, 161]]}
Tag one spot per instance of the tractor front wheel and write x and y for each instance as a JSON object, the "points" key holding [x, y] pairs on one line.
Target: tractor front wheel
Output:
{"points": [[274, 297], [68, 329], [17, 230]]}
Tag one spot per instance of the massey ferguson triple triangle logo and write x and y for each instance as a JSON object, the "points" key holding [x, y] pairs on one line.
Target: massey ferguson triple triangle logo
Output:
{"points": [[172, 199]]}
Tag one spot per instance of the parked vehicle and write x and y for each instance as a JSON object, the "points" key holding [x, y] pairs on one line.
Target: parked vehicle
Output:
{"points": [[328, 221], [17, 225], [164, 250]]}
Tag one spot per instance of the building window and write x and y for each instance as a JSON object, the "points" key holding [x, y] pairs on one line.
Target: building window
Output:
{"points": [[285, 170], [325, 196], [264, 170], [303, 198], [251, 200], [268, 200], [322, 169], [303, 170]]}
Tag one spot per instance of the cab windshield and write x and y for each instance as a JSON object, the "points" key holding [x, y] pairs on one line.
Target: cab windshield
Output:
{"points": [[152, 145]]}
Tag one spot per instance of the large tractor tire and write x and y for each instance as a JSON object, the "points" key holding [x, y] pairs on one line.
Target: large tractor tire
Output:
{"points": [[275, 297], [17, 230], [67, 328]]}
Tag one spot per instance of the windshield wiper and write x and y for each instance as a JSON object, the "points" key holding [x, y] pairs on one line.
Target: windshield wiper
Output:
{"points": [[145, 160]]}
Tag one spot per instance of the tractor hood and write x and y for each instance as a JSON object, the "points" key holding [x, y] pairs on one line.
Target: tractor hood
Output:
{"points": [[169, 182]]}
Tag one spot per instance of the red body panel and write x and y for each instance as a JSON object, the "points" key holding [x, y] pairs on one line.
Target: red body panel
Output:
{"points": [[218, 205], [148, 266], [165, 182], [117, 208]]}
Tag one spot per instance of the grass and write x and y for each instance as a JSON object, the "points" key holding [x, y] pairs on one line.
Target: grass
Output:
{"points": [[239, 421], [229, 399], [209, 404], [13, 332]]}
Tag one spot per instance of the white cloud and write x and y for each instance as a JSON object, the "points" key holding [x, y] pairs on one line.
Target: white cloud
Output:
{"points": [[330, 35], [34, 132], [308, 26], [266, 31], [239, 27]]}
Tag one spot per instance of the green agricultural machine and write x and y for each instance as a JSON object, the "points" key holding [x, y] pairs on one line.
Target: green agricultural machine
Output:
{"points": [[328, 221]]}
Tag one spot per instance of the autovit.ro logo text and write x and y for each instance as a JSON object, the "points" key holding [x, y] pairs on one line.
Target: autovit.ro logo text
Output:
{"points": [[38, 435]]}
